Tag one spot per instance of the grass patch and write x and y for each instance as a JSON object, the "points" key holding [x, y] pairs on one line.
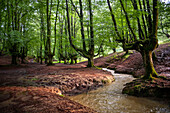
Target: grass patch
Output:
{"points": [[165, 41], [125, 57], [62, 95], [116, 57], [58, 62], [34, 79], [98, 67], [78, 61]]}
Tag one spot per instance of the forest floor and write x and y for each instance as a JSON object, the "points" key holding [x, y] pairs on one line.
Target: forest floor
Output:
{"points": [[39, 88]]}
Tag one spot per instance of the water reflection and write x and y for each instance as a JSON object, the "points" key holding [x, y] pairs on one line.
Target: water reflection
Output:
{"points": [[109, 99]]}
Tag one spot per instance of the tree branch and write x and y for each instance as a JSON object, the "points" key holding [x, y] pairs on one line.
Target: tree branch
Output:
{"points": [[69, 32], [155, 18], [99, 48], [75, 8], [143, 20], [55, 26], [91, 29], [149, 18], [113, 19], [128, 22], [138, 20]]}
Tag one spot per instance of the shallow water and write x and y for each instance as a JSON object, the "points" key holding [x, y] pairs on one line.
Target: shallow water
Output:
{"points": [[108, 99]]}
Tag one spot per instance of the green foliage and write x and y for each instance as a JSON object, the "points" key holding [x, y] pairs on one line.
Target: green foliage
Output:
{"points": [[138, 87], [98, 67], [125, 57], [62, 95], [164, 21], [165, 41], [116, 56], [34, 79], [15, 37]]}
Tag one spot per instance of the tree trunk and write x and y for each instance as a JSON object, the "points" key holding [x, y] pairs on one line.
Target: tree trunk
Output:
{"points": [[82, 25], [22, 55], [75, 61], [126, 52], [148, 64], [14, 60], [22, 60], [38, 58], [41, 60], [48, 43], [41, 47], [46, 60], [65, 61], [50, 58], [72, 61], [114, 50], [90, 62]]}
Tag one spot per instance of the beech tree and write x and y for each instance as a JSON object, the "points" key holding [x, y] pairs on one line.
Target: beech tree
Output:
{"points": [[89, 54], [50, 53], [15, 32], [63, 40], [145, 41]]}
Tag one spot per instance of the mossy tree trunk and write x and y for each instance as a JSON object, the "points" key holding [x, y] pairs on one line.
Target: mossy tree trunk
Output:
{"points": [[90, 62], [148, 64]]}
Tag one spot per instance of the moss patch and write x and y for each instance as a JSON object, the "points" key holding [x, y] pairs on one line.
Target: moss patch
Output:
{"points": [[143, 88]]}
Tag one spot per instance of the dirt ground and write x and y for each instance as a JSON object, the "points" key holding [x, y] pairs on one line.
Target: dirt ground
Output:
{"points": [[37, 100], [70, 79], [39, 88]]}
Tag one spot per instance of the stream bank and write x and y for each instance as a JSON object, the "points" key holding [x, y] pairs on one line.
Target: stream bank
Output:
{"points": [[158, 87], [109, 99], [132, 64]]}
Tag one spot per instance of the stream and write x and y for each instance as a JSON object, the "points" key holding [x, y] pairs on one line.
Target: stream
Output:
{"points": [[109, 99]]}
